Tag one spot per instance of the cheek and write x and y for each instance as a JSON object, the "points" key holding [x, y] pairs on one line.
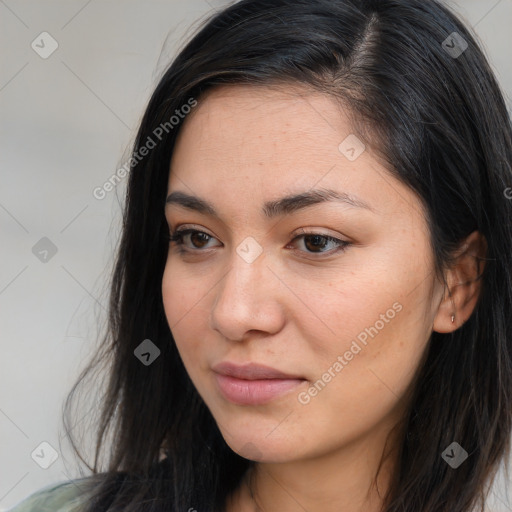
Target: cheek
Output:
{"points": [[364, 301], [184, 293], [376, 319], [172, 295], [364, 387], [183, 300]]}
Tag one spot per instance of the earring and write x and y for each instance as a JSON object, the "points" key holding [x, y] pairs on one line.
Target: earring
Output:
{"points": [[453, 319]]}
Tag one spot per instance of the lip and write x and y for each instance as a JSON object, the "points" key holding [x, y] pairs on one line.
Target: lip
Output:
{"points": [[253, 384], [251, 371]]}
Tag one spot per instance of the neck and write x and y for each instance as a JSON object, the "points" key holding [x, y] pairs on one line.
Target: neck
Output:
{"points": [[342, 480]]}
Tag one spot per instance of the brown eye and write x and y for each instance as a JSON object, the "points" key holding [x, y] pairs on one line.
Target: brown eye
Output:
{"points": [[199, 239], [313, 242], [316, 242]]}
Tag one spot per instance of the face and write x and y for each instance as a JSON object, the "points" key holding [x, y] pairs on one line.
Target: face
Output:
{"points": [[336, 295]]}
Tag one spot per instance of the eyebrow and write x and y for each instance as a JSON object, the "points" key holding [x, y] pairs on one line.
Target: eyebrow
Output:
{"points": [[279, 207]]}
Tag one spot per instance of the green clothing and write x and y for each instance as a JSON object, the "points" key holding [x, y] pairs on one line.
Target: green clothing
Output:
{"points": [[63, 497]]}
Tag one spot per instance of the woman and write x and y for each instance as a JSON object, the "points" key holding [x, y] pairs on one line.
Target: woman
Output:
{"points": [[311, 303]]}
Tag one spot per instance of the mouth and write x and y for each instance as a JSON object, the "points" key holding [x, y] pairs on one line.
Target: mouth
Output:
{"points": [[253, 384]]}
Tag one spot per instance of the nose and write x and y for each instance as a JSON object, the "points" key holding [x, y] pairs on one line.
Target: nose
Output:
{"points": [[248, 298]]}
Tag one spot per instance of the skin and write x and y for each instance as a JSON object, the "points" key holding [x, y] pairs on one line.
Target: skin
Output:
{"points": [[297, 307]]}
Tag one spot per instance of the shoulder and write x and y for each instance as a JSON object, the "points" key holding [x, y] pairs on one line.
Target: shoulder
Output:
{"points": [[73, 495], [65, 496]]}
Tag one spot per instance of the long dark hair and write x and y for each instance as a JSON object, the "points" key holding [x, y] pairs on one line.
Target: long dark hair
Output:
{"points": [[439, 120]]}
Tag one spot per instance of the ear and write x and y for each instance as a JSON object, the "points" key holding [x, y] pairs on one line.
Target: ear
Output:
{"points": [[464, 284]]}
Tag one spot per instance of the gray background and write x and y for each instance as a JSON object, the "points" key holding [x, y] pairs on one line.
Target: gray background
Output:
{"points": [[66, 122]]}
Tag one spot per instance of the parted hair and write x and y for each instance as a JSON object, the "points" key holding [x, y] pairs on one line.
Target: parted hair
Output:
{"points": [[440, 122]]}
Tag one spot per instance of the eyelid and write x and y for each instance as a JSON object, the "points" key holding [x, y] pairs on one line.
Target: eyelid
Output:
{"points": [[315, 231], [186, 229], [190, 227], [300, 231]]}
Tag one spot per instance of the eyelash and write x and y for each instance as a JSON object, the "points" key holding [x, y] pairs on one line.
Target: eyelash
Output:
{"points": [[178, 236]]}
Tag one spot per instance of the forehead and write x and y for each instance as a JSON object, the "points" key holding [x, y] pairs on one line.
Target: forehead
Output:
{"points": [[251, 144], [260, 109], [245, 127]]}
